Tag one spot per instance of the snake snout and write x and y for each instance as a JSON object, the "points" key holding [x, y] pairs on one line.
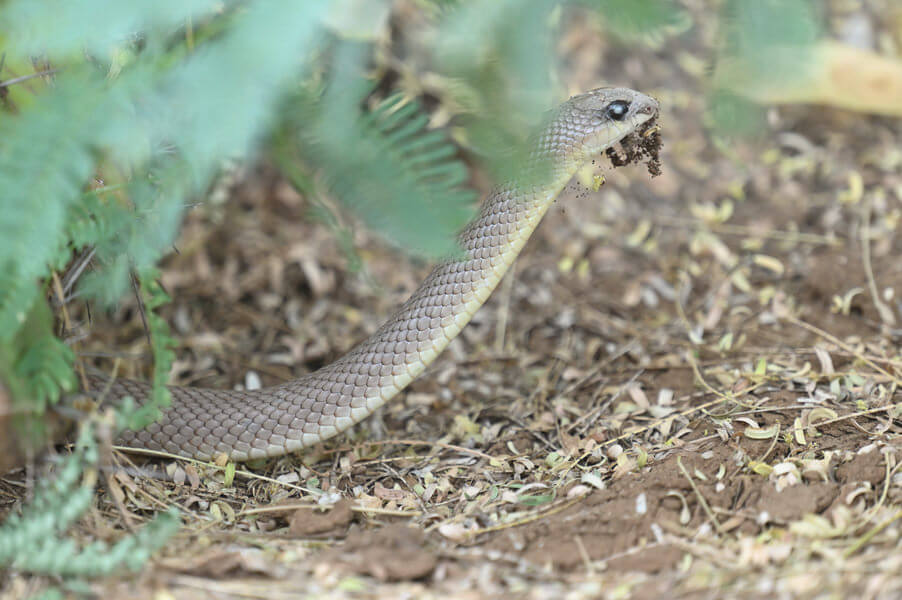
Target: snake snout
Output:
{"points": [[646, 105]]}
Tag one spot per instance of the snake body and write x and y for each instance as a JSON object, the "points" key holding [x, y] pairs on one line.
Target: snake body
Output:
{"points": [[206, 423]]}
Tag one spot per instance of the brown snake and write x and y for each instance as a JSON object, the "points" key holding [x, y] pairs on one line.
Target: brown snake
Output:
{"points": [[206, 423]]}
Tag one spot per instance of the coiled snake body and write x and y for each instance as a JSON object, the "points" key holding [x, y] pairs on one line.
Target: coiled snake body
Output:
{"points": [[205, 423]]}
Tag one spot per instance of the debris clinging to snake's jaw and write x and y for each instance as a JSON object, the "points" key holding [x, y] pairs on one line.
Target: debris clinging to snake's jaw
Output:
{"points": [[642, 145]]}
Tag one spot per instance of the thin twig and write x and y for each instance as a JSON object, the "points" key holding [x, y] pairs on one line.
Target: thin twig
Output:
{"points": [[531, 518], [835, 340], [787, 236], [21, 78], [67, 323], [864, 539], [247, 474], [701, 498], [886, 315]]}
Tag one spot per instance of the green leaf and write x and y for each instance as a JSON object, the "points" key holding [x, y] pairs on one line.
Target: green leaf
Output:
{"points": [[56, 28], [45, 158], [496, 59], [764, 42], [387, 166], [640, 19]]}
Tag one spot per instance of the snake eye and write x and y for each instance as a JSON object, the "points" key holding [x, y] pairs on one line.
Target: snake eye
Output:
{"points": [[617, 110]]}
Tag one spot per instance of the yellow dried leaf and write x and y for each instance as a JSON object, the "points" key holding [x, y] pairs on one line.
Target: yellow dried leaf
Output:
{"points": [[814, 526], [770, 263], [798, 431], [760, 468], [597, 182], [229, 475], [639, 233], [766, 433], [854, 194]]}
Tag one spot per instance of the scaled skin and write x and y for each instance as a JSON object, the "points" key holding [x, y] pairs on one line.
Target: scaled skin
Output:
{"points": [[243, 425]]}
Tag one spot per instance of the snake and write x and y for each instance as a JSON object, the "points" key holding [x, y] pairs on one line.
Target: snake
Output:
{"points": [[242, 425]]}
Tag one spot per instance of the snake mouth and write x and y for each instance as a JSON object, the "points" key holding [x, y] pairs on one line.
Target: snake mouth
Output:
{"points": [[643, 145]]}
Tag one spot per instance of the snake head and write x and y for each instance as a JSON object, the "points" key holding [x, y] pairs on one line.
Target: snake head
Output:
{"points": [[588, 124]]}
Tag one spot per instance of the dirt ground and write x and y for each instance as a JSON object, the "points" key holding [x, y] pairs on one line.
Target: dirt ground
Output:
{"points": [[687, 387]]}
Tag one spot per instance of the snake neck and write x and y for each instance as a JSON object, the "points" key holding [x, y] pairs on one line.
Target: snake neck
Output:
{"points": [[452, 293], [244, 425], [205, 423]]}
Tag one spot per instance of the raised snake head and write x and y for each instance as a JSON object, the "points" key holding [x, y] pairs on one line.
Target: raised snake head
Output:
{"points": [[589, 124]]}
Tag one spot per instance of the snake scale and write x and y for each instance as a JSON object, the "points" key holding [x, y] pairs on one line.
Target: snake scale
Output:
{"points": [[244, 425]]}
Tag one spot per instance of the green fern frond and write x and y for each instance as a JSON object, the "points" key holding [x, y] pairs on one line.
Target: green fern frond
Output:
{"points": [[644, 20], [41, 362], [95, 219], [62, 557], [762, 43], [209, 106], [57, 29], [46, 157], [162, 343], [497, 73], [771, 39], [400, 177], [31, 540]]}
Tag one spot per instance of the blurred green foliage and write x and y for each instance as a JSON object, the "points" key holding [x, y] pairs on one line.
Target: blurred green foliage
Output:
{"points": [[762, 42], [34, 540], [772, 38], [636, 21]]}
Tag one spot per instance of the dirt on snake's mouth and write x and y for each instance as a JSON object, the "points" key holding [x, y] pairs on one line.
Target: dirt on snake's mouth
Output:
{"points": [[642, 145]]}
